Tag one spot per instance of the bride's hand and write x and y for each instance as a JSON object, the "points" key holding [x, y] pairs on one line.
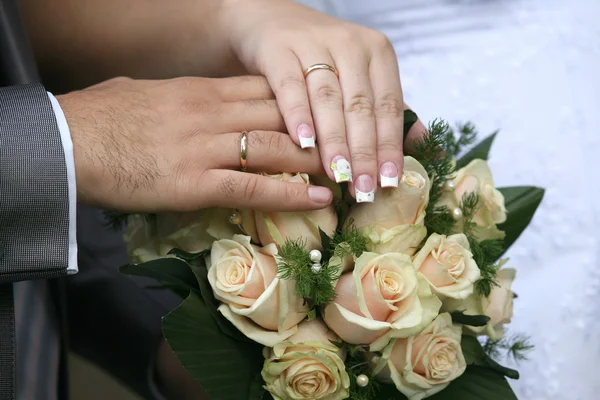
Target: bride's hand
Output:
{"points": [[358, 117]]}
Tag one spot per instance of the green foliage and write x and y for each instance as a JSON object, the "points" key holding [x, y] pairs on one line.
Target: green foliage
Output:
{"points": [[436, 152], [515, 347], [294, 263], [486, 254], [357, 363], [191, 258], [208, 355], [355, 243], [521, 203]]}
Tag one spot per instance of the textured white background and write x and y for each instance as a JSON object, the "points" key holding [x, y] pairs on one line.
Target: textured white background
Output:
{"points": [[529, 68]]}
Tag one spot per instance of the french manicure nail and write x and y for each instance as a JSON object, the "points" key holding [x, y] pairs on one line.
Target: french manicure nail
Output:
{"points": [[319, 194], [341, 169], [388, 174], [365, 189], [306, 136]]}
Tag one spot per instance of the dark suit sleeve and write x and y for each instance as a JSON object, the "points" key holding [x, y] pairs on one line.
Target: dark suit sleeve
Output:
{"points": [[34, 203], [114, 321]]}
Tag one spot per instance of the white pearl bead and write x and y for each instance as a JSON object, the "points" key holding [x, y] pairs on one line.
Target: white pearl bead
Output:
{"points": [[362, 380], [316, 267], [457, 213], [449, 186], [315, 256], [375, 359]]}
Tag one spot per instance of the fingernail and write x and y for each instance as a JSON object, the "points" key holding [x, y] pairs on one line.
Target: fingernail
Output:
{"points": [[319, 194], [365, 189], [388, 174], [306, 136], [341, 169]]}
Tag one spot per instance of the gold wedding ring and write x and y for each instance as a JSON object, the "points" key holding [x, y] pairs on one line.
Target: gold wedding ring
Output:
{"points": [[244, 151], [321, 66]]}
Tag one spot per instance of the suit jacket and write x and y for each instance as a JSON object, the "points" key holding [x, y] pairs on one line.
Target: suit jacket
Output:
{"points": [[106, 317]]}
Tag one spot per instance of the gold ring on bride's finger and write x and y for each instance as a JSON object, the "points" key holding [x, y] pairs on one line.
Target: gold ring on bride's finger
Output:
{"points": [[244, 151], [321, 66]]}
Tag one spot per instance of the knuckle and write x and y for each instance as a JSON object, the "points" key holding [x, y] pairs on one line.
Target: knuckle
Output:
{"points": [[333, 139], [293, 81], [388, 105], [252, 188], [228, 186], [381, 41], [255, 139], [327, 94], [292, 193], [277, 144], [363, 154], [360, 105], [300, 109], [389, 144]]}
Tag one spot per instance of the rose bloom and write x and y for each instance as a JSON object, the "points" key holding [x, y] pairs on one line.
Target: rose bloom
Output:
{"points": [[448, 265], [395, 222], [151, 238], [307, 366], [426, 363], [498, 306], [384, 297], [477, 177], [259, 304], [276, 227]]}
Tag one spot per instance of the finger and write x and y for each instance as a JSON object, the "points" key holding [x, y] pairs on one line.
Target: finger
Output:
{"points": [[289, 87], [360, 124], [245, 88], [266, 151], [389, 115], [250, 115], [415, 133], [326, 103], [257, 192]]}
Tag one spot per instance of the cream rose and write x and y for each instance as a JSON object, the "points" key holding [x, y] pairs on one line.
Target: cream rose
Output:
{"points": [[448, 265], [477, 177], [395, 222], [426, 363], [307, 366], [276, 227], [383, 298], [259, 304], [498, 306], [151, 238]]}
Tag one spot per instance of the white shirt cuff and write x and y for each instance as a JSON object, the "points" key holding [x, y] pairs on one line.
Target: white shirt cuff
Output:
{"points": [[65, 137]]}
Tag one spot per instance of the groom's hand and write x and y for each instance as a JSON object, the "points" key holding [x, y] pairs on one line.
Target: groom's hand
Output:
{"points": [[175, 145]]}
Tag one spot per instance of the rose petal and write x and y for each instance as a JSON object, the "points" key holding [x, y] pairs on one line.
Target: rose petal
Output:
{"points": [[353, 328], [253, 331]]}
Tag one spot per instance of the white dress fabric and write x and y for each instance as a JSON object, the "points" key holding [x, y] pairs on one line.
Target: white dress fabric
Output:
{"points": [[531, 69]]}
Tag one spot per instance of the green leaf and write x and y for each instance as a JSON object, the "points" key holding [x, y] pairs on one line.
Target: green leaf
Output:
{"points": [[481, 150], [472, 349], [459, 317], [326, 243], [501, 369], [477, 383], [170, 272], [190, 258], [475, 355], [521, 203], [223, 366], [409, 120], [212, 304]]}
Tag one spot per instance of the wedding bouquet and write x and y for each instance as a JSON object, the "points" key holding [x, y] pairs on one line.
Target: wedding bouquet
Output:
{"points": [[403, 298]]}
